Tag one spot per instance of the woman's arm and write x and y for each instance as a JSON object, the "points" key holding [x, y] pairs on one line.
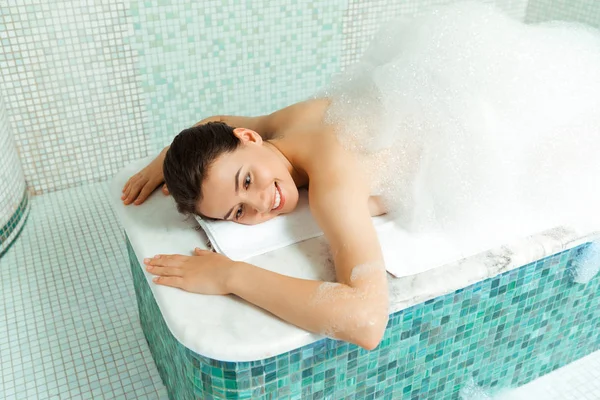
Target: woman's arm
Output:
{"points": [[137, 189], [354, 309], [142, 184], [337, 310]]}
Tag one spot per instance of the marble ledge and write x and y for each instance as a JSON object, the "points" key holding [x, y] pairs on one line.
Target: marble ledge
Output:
{"points": [[228, 328], [408, 291]]}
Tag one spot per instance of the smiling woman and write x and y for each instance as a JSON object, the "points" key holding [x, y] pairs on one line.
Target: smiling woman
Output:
{"points": [[453, 121], [250, 181], [237, 174]]}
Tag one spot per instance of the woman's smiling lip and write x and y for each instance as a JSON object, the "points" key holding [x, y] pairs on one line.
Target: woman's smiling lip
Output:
{"points": [[281, 198]]}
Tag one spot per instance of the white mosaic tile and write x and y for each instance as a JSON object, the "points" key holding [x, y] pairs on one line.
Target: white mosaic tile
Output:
{"points": [[579, 380], [68, 316], [70, 85]]}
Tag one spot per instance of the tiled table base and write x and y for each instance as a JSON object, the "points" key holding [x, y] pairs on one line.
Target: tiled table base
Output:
{"points": [[501, 332]]}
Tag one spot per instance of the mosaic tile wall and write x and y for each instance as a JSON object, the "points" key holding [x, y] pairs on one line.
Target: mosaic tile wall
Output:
{"points": [[14, 204], [586, 11], [502, 332], [90, 86], [70, 83], [225, 57], [94, 85]]}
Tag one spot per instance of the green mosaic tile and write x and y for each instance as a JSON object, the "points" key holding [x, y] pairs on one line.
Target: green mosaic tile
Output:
{"points": [[200, 59], [504, 331]]}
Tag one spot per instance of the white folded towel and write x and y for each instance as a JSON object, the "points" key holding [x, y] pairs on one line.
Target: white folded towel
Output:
{"points": [[404, 254]]}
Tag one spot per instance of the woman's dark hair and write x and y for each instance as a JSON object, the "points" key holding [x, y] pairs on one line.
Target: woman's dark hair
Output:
{"points": [[189, 158]]}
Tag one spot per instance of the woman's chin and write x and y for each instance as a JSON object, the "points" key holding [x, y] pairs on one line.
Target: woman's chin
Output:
{"points": [[290, 204], [292, 201]]}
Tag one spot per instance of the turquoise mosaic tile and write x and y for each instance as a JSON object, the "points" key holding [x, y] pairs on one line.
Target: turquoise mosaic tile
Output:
{"points": [[10, 231], [198, 59], [116, 81], [504, 331]]}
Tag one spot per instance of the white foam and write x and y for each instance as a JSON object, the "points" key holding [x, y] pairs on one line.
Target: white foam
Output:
{"points": [[587, 264], [471, 391], [475, 124]]}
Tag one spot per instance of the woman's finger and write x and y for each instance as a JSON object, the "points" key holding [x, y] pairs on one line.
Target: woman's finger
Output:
{"points": [[129, 192], [173, 281], [125, 186], [165, 189], [164, 271], [200, 252], [131, 195], [127, 189], [145, 192], [135, 190], [165, 260]]}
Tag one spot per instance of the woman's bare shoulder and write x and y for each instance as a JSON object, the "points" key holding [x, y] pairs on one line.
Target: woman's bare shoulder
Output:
{"points": [[312, 147], [306, 113]]}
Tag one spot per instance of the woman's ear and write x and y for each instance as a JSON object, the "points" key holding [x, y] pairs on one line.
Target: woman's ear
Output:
{"points": [[247, 135]]}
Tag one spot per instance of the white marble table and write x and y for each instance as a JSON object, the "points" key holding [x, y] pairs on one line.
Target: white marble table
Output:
{"points": [[229, 329]]}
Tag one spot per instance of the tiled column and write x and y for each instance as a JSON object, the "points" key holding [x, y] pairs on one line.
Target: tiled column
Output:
{"points": [[14, 204]]}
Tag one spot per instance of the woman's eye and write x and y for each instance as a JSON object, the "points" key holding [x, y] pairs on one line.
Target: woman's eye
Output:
{"points": [[247, 181], [239, 213]]}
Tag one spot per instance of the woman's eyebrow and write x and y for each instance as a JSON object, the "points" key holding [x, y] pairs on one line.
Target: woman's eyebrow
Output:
{"points": [[237, 189]]}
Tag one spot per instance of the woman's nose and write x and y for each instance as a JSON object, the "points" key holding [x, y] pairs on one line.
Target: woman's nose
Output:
{"points": [[263, 200]]}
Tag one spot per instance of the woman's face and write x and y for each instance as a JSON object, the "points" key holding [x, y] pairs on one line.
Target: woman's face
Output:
{"points": [[249, 185]]}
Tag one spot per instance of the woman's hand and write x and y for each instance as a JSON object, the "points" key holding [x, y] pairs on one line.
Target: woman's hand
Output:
{"points": [[138, 187], [206, 272]]}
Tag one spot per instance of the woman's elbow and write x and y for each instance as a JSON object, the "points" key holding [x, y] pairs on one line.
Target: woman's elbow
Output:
{"points": [[372, 337], [365, 320], [372, 331]]}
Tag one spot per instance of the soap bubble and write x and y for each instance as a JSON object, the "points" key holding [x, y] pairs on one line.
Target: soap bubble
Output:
{"points": [[587, 265], [476, 125]]}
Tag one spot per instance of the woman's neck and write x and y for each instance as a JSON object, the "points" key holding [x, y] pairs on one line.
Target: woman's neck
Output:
{"points": [[298, 174]]}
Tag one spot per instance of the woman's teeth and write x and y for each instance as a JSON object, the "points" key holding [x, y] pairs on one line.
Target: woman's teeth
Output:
{"points": [[277, 198]]}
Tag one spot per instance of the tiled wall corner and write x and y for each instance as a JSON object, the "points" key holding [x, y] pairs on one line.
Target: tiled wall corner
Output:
{"points": [[111, 81], [199, 59], [70, 88], [13, 197], [586, 11], [92, 85]]}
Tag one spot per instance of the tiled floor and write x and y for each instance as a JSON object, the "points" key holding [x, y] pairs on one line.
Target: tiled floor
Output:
{"points": [[579, 380], [68, 318]]}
